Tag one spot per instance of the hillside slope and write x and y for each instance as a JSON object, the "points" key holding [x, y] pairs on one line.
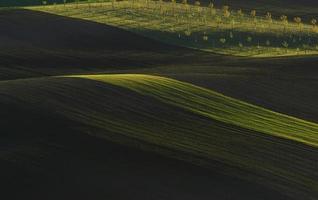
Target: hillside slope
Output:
{"points": [[37, 44], [86, 47], [201, 28], [175, 128], [46, 156], [216, 106]]}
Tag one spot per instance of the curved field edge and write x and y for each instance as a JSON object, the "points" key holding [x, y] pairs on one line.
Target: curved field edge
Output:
{"points": [[116, 112], [216, 106]]}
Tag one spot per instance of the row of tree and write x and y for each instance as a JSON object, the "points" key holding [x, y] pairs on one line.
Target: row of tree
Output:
{"points": [[218, 27], [212, 10]]}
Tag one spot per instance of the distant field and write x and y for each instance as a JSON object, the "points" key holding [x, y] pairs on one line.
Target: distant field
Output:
{"points": [[222, 31]]}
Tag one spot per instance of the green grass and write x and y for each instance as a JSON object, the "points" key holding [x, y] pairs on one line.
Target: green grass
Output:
{"points": [[216, 106], [181, 120], [198, 28]]}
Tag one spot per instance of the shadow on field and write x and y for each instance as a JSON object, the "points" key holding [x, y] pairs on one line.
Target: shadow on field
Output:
{"points": [[52, 161], [36, 43]]}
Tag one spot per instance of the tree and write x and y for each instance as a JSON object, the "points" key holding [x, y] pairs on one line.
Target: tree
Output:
{"points": [[269, 18], [314, 24], [187, 32], [212, 9], [198, 3], [226, 12], [253, 15], [298, 21], [284, 20], [240, 45], [231, 35], [240, 14], [233, 23], [223, 41], [249, 39], [225, 8], [285, 45], [205, 37], [218, 21], [185, 5]]}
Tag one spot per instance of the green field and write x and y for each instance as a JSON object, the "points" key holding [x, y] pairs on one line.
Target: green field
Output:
{"points": [[205, 126], [101, 98], [216, 106], [223, 31]]}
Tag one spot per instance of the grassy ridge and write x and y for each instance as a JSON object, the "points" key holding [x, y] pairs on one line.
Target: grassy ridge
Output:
{"points": [[217, 106], [180, 120]]}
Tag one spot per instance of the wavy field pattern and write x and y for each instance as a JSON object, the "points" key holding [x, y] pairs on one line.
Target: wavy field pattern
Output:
{"points": [[136, 99]]}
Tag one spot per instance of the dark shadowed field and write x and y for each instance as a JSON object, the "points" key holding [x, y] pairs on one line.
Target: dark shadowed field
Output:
{"points": [[56, 162]]}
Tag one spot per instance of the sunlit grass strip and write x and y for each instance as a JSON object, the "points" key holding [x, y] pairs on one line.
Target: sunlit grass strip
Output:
{"points": [[216, 106], [195, 27]]}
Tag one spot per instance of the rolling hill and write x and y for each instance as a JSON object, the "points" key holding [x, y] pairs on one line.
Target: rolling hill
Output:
{"points": [[44, 146], [95, 136], [252, 80], [178, 120]]}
